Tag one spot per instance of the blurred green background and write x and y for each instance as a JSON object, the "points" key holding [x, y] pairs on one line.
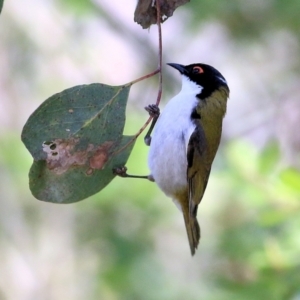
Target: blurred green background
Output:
{"points": [[129, 241]]}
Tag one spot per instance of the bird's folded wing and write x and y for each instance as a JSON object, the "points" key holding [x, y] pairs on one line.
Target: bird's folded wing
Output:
{"points": [[198, 169]]}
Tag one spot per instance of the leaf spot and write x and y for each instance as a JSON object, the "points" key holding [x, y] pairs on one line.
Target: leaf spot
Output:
{"points": [[101, 155], [61, 155], [89, 171]]}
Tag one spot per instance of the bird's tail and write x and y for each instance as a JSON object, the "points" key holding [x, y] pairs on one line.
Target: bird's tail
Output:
{"points": [[193, 231]]}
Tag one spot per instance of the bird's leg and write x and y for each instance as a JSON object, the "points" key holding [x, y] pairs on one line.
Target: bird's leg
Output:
{"points": [[154, 112], [122, 172]]}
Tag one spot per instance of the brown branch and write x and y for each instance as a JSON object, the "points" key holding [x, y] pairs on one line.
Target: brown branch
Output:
{"points": [[158, 16], [143, 78], [159, 71]]}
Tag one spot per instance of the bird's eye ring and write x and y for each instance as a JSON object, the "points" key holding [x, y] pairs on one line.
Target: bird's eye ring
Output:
{"points": [[198, 70]]}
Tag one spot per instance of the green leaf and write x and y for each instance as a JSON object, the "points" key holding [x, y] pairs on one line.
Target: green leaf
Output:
{"points": [[1, 5], [76, 139]]}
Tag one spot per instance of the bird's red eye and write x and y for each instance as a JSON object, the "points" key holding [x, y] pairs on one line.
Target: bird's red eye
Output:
{"points": [[198, 70]]}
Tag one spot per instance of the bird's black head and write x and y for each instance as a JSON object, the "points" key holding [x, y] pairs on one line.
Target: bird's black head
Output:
{"points": [[203, 75]]}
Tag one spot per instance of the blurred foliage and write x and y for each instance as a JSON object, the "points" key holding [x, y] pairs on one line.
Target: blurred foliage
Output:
{"points": [[259, 242], [81, 8], [247, 19]]}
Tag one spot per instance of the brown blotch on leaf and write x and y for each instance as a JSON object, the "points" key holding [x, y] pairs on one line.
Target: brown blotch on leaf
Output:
{"points": [[64, 156], [101, 155], [145, 13]]}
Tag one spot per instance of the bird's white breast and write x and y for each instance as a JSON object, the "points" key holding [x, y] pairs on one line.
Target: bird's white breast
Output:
{"points": [[167, 156]]}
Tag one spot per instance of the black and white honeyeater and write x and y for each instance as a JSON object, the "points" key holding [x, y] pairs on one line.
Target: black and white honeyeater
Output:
{"points": [[186, 138]]}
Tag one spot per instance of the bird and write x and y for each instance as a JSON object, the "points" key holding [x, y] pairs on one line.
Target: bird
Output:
{"points": [[185, 139]]}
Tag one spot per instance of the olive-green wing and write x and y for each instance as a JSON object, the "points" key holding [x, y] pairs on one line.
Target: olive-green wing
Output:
{"points": [[198, 168]]}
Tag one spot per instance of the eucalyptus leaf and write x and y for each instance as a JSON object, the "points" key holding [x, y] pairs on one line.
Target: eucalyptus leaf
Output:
{"points": [[76, 139]]}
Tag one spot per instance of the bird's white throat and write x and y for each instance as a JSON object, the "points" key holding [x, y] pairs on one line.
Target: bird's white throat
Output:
{"points": [[190, 87]]}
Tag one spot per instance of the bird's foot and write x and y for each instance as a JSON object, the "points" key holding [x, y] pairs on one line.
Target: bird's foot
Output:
{"points": [[120, 171], [153, 110]]}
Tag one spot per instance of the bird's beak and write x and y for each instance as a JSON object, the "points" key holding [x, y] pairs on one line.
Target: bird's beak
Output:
{"points": [[178, 67]]}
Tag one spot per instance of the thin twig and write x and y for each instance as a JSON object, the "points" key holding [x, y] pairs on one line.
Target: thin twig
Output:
{"points": [[158, 22], [143, 78], [159, 71]]}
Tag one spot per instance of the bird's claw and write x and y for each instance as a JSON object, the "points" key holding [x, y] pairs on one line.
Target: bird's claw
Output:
{"points": [[153, 110], [120, 171]]}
